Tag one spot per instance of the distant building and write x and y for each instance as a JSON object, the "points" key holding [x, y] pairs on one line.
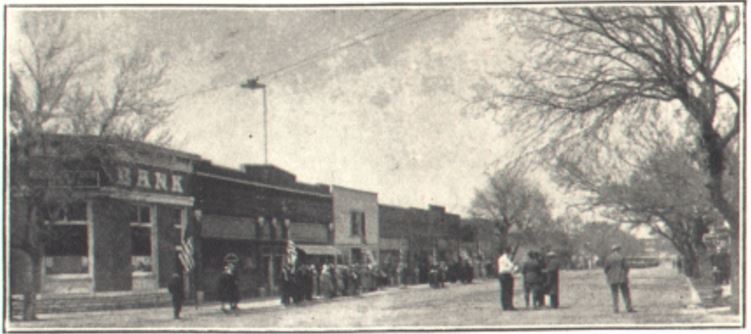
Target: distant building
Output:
{"points": [[356, 225], [417, 237]]}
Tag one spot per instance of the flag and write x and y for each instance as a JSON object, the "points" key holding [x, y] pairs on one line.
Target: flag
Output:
{"points": [[187, 247], [291, 252]]}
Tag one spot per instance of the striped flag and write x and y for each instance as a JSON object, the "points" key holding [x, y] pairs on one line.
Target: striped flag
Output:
{"points": [[291, 252], [187, 248]]}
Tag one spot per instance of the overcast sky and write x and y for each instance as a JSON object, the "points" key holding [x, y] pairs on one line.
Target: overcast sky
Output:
{"points": [[369, 98]]}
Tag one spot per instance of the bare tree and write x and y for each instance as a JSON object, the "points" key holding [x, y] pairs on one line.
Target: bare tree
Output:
{"points": [[591, 70], [665, 193], [60, 86], [511, 202]]}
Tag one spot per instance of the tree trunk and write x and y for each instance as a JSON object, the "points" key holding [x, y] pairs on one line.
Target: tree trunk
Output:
{"points": [[716, 163], [734, 263], [691, 264]]}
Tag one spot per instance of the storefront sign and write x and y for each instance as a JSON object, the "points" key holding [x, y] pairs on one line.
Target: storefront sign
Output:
{"points": [[144, 178]]}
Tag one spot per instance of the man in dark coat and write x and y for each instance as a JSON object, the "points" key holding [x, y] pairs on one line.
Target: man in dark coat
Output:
{"points": [[310, 274], [234, 291], [285, 284], [175, 288], [552, 268], [298, 286], [226, 288], [616, 272], [533, 280]]}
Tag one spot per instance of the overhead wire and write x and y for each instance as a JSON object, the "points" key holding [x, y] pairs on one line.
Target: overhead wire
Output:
{"points": [[331, 50]]}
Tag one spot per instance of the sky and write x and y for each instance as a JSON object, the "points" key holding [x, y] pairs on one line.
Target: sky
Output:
{"points": [[369, 98]]}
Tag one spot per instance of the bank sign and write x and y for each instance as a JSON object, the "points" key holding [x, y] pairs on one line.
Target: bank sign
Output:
{"points": [[149, 179]]}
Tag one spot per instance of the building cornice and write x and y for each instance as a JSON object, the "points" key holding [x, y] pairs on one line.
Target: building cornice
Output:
{"points": [[261, 185]]}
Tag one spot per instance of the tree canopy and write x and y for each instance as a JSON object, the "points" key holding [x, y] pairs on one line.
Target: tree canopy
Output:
{"points": [[591, 76]]}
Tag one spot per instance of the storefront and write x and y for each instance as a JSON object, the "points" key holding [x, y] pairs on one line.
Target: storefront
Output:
{"points": [[119, 228], [253, 213]]}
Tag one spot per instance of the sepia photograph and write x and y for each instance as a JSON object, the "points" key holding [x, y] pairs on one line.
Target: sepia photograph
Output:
{"points": [[361, 167]]}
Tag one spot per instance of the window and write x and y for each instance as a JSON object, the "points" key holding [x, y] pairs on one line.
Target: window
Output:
{"points": [[140, 238], [357, 223], [67, 241]]}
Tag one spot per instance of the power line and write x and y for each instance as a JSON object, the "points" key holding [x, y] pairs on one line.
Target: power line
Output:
{"points": [[329, 51], [216, 88], [323, 51]]}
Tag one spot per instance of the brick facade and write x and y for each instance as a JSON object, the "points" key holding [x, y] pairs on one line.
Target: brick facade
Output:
{"points": [[422, 235], [262, 207]]}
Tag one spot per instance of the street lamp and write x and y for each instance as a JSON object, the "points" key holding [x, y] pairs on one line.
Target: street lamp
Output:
{"points": [[253, 84]]}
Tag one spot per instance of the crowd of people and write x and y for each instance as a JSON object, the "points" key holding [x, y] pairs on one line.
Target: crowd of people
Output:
{"points": [[300, 283]]}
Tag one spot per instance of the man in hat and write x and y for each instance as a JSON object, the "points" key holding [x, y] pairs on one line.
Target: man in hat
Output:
{"points": [[616, 271], [552, 267]]}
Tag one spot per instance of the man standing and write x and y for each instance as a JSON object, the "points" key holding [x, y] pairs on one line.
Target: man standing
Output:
{"points": [[616, 271], [285, 284], [552, 268], [175, 288], [506, 279], [533, 279]]}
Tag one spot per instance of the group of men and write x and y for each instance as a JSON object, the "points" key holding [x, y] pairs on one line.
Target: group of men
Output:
{"points": [[540, 275], [296, 285], [541, 278]]}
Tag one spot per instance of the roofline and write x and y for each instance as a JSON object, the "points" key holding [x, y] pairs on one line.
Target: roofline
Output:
{"points": [[113, 140], [261, 185], [353, 189]]}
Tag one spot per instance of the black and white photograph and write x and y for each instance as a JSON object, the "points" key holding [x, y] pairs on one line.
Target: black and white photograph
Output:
{"points": [[374, 166]]}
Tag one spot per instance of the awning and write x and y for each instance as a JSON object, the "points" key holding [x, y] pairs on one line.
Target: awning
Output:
{"points": [[319, 250], [227, 227]]}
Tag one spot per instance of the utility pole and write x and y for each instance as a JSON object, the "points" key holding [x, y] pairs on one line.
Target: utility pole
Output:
{"points": [[253, 84]]}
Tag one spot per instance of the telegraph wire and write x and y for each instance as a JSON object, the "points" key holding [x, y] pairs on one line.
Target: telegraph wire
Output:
{"points": [[330, 52], [361, 31], [327, 52], [333, 48]]}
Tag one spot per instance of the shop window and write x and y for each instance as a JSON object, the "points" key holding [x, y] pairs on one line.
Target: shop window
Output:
{"points": [[66, 242], [140, 237]]}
